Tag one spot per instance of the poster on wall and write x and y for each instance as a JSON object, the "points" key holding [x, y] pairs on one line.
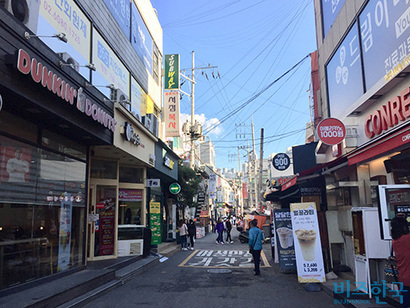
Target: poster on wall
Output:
{"points": [[308, 249], [155, 222], [107, 232], [284, 239], [64, 242]]}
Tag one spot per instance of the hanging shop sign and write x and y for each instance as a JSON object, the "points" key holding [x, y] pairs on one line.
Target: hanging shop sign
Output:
{"points": [[129, 134], [281, 161], [171, 72], [153, 183], [62, 88], [308, 249], [168, 162], [174, 188], [331, 131], [171, 112]]}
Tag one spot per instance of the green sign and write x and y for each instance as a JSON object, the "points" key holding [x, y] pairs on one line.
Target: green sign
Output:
{"points": [[174, 188], [171, 72], [155, 222]]}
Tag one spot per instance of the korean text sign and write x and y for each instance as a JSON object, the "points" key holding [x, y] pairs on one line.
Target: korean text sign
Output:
{"points": [[284, 239], [171, 108], [308, 249]]}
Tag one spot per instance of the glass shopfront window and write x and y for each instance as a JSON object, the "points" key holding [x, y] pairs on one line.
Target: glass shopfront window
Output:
{"points": [[42, 208], [130, 211]]}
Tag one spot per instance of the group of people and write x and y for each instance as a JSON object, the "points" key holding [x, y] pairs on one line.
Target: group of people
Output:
{"points": [[221, 226], [187, 229]]}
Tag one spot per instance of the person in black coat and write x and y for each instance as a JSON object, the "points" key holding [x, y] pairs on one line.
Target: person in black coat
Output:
{"points": [[192, 232], [228, 230]]}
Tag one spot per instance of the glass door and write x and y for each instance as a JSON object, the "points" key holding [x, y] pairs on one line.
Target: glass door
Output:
{"points": [[102, 221]]}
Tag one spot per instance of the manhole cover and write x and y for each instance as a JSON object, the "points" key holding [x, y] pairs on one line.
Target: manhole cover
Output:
{"points": [[219, 271]]}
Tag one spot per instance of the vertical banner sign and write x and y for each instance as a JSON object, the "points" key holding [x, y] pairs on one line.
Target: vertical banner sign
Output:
{"points": [[107, 232], [155, 222], [212, 186], [64, 242], [308, 249], [244, 191], [284, 239], [171, 72], [171, 106]]}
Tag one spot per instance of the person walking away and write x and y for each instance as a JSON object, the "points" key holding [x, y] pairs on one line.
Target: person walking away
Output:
{"points": [[183, 232], [255, 244], [192, 233], [401, 247], [228, 225], [220, 229]]}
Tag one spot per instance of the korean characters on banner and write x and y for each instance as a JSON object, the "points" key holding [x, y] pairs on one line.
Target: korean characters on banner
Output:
{"points": [[308, 249], [171, 107], [155, 222], [284, 239]]}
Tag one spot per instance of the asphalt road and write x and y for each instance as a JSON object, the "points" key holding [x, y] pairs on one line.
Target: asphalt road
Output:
{"points": [[214, 276]]}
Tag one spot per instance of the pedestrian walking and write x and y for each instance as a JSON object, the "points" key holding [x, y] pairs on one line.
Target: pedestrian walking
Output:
{"points": [[192, 233], [401, 245], [183, 233], [220, 229], [255, 244], [228, 225]]}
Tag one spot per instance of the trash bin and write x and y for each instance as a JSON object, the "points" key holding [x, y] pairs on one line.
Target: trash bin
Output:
{"points": [[147, 242]]}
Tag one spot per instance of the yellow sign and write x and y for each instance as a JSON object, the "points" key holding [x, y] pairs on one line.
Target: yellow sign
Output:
{"points": [[155, 207]]}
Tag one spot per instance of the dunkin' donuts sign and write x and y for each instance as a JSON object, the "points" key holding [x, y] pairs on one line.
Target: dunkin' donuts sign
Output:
{"points": [[55, 84], [331, 131]]}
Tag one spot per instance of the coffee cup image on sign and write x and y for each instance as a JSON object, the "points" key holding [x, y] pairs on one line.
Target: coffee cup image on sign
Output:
{"points": [[307, 243], [285, 237]]}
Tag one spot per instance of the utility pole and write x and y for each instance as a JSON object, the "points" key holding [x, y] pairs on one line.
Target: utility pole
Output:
{"points": [[261, 163], [254, 166], [194, 131]]}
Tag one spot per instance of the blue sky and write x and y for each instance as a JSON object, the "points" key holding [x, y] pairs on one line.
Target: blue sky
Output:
{"points": [[253, 44]]}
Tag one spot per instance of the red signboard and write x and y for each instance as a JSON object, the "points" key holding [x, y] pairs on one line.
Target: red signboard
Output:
{"points": [[244, 191], [331, 131]]}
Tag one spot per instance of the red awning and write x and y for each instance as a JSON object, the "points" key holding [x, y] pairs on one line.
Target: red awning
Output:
{"points": [[386, 144], [289, 183]]}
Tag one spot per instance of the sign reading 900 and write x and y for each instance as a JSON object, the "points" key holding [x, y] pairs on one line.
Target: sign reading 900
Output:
{"points": [[281, 161]]}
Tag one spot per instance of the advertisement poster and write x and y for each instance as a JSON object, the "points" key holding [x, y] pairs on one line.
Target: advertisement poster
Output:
{"points": [[64, 242], [155, 222], [284, 239], [309, 259], [107, 232]]}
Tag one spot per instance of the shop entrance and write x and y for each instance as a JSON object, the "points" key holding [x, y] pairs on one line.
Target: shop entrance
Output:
{"points": [[102, 221]]}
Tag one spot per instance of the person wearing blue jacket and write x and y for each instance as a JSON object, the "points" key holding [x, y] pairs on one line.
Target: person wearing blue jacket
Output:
{"points": [[255, 244]]}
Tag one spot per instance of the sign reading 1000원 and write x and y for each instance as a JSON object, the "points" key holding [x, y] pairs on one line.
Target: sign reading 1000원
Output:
{"points": [[281, 161]]}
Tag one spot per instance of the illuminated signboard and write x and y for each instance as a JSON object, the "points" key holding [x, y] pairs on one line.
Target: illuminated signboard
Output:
{"points": [[344, 75], [385, 39], [330, 10]]}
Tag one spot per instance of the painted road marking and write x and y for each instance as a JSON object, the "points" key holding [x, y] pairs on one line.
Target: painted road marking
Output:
{"points": [[222, 259]]}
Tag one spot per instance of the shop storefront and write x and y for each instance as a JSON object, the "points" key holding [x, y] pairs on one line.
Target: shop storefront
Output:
{"points": [[44, 141], [118, 203], [164, 174]]}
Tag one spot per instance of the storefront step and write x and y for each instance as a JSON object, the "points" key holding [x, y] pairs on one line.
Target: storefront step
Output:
{"points": [[168, 248]]}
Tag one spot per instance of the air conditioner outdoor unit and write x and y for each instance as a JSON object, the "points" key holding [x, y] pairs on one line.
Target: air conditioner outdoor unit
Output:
{"points": [[69, 60], [147, 122], [118, 96], [26, 11], [154, 125]]}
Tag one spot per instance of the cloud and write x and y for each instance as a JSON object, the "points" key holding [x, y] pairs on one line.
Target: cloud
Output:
{"points": [[206, 123]]}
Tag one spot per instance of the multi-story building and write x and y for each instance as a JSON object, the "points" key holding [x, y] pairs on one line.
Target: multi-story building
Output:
{"points": [[80, 103], [363, 66]]}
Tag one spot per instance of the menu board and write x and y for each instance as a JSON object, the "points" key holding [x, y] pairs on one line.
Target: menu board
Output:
{"points": [[308, 249], [107, 231], [155, 222]]}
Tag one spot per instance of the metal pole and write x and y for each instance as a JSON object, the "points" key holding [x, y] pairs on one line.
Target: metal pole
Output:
{"points": [[192, 158], [254, 165], [260, 164]]}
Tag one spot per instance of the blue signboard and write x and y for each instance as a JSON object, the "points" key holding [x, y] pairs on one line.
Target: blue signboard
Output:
{"points": [[385, 35], [141, 39], [120, 10], [330, 10], [344, 74]]}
